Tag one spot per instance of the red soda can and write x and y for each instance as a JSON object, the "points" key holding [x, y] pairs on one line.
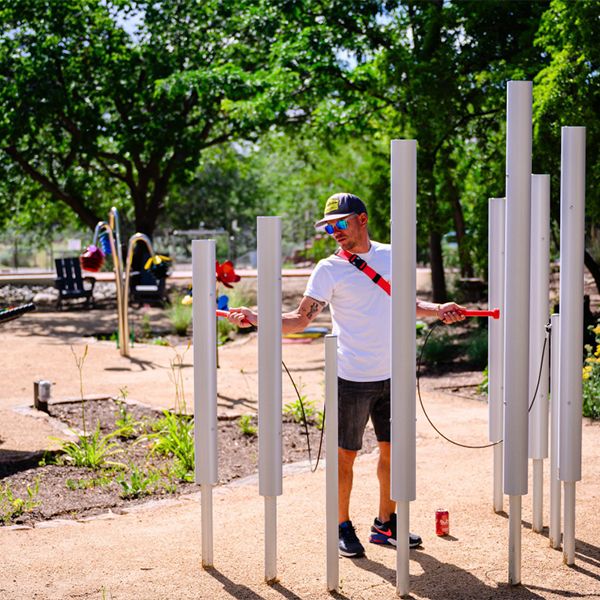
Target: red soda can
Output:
{"points": [[442, 522]]}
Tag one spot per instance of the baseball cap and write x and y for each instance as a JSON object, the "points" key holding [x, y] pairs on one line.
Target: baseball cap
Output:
{"points": [[341, 205]]}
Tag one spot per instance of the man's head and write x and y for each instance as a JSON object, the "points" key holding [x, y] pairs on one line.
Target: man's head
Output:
{"points": [[339, 206], [345, 218]]}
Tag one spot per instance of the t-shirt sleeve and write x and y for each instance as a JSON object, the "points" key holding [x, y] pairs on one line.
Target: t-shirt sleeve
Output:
{"points": [[320, 284]]}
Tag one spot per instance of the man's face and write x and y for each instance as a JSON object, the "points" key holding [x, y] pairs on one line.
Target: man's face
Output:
{"points": [[349, 231]]}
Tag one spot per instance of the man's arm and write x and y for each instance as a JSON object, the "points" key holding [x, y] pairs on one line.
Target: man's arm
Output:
{"points": [[292, 322]]}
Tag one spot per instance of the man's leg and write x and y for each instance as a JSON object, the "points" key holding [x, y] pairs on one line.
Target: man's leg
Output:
{"points": [[386, 505], [345, 475]]}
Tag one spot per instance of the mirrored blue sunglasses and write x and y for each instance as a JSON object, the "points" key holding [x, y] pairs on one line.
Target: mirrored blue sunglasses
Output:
{"points": [[340, 225]]}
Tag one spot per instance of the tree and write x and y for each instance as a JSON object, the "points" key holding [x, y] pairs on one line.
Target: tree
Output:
{"points": [[112, 101], [437, 73], [567, 92]]}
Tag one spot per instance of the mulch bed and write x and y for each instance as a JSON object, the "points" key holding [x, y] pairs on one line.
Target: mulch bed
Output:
{"points": [[69, 492]]}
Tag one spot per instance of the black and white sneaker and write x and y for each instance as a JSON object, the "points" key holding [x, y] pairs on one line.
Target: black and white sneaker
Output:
{"points": [[385, 534], [349, 545]]}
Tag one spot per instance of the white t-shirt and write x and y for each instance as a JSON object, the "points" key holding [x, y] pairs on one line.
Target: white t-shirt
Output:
{"points": [[360, 311]]}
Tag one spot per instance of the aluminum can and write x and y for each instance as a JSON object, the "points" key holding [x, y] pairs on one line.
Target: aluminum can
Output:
{"points": [[442, 522]]}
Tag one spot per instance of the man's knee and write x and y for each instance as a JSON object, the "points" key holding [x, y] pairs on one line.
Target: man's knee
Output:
{"points": [[346, 458], [384, 452]]}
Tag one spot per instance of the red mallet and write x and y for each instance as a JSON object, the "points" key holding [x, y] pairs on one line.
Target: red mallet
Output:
{"points": [[494, 313], [225, 314]]}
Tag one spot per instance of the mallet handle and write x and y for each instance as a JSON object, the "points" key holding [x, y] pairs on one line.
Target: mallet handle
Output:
{"points": [[495, 313], [225, 313]]}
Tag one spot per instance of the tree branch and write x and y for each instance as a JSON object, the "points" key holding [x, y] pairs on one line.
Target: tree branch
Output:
{"points": [[86, 215]]}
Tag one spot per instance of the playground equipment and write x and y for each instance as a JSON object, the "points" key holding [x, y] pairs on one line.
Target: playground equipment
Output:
{"points": [[107, 241], [515, 325]]}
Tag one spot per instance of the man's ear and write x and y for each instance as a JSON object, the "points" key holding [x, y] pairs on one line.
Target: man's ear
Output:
{"points": [[363, 218]]}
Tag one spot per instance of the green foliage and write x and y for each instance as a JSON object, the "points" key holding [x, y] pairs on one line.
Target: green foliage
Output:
{"points": [[122, 98], [174, 436], [12, 506], [91, 450], [246, 426], [483, 386], [180, 316], [591, 378], [320, 419], [127, 426], [224, 331], [137, 483], [477, 348], [440, 348], [294, 410], [90, 482]]}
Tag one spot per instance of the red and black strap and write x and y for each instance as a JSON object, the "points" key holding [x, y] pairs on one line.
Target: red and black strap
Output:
{"points": [[362, 265]]}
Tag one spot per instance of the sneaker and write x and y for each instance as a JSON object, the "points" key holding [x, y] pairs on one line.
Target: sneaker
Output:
{"points": [[349, 544], [385, 533]]}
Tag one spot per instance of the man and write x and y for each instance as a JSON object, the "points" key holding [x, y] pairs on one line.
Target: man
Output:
{"points": [[360, 312]]}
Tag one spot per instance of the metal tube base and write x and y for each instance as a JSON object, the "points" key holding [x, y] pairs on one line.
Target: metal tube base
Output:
{"points": [[402, 550], [514, 540], [206, 511]]}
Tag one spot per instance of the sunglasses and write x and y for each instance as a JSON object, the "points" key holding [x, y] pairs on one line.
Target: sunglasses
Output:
{"points": [[339, 225]]}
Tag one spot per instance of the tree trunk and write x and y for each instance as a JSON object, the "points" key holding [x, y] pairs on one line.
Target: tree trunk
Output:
{"points": [[436, 259], [593, 267], [466, 266]]}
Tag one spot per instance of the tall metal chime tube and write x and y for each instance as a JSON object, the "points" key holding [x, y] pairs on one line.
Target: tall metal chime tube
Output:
{"points": [[496, 276], [205, 385], [572, 229], [538, 359], [403, 388], [270, 471], [516, 310]]}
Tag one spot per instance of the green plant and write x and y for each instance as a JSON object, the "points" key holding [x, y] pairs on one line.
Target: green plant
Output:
{"points": [[145, 327], [294, 410], [127, 426], [246, 426], [482, 388], [320, 419], [174, 436], [138, 483], [439, 348], [180, 316], [79, 362], [477, 348], [591, 377], [91, 450], [176, 377], [224, 330], [88, 483], [12, 506]]}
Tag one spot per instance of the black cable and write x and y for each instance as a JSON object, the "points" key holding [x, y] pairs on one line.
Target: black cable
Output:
{"points": [[431, 422], [305, 421]]}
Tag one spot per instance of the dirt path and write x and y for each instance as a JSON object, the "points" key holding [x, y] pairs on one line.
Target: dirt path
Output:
{"points": [[153, 552]]}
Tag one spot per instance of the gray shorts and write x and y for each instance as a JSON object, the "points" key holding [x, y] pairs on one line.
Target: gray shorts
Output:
{"points": [[357, 401]]}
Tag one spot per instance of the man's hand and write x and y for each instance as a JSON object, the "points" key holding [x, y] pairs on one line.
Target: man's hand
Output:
{"points": [[242, 317], [450, 312]]}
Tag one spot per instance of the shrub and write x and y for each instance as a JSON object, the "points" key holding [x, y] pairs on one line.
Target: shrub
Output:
{"points": [[477, 348], [180, 316], [591, 377]]}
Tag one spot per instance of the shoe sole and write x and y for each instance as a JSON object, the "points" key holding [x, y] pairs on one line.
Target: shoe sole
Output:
{"points": [[350, 554], [381, 540]]}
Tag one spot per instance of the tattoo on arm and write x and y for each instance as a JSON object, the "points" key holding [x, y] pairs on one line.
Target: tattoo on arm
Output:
{"points": [[314, 309]]}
